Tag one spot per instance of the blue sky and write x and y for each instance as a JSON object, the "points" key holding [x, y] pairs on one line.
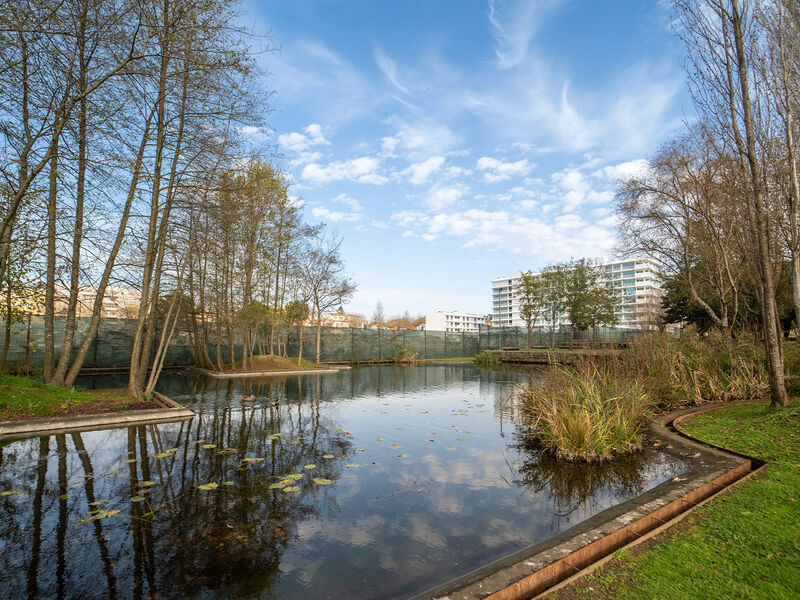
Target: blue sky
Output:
{"points": [[453, 142]]}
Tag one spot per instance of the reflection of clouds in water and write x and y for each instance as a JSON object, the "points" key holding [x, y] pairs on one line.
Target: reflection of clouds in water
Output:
{"points": [[479, 470], [358, 532]]}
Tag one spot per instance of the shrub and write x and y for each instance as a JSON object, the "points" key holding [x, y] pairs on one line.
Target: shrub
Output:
{"points": [[587, 412], [485, 359], [403, 356]]}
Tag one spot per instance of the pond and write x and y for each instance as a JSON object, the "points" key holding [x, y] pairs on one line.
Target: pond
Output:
{"points": [[375, 482]]}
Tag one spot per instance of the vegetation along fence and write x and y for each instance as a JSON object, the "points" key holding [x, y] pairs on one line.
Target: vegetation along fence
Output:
{"points": [[111, 346]]}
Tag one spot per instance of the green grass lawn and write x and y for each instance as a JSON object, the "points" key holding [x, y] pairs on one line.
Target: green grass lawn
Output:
{"points": [[24, 398], [742, 544]]}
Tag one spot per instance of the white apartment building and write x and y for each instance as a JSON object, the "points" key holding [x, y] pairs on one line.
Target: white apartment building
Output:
{"points": [[454, 321], [636, 283]]}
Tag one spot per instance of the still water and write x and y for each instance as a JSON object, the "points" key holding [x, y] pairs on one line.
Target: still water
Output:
{"points": [[376, 482]]}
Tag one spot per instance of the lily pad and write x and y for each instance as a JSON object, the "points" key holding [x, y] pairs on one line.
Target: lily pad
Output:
{"points": [[352, 465], [327, 456], [113, 473], [101, 514], [161, 455], [97, 502], [310, 466], [129, 461], [295, 476], [277, 486], [253, 459], [137, 499], [274, 436], [291, 488], [199, 442], [63, 496], [146, 483], [322, 481], [209, 446], [208, 486], [229, 483]]}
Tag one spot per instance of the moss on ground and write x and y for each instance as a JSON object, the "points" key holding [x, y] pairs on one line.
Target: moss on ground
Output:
{"points": [[743, 544], [25, 398]]}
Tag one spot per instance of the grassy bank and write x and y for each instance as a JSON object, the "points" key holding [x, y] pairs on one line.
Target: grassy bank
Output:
{"points": [[743, 544], [24, 398], [272, 362], [486, 359], [596, 408]]}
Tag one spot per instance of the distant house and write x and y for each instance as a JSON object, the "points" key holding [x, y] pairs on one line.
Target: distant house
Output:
{"points": [[343, 320], [455, 321]]}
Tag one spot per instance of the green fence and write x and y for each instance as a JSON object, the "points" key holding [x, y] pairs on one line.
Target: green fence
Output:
{"points": [[111, 346]]}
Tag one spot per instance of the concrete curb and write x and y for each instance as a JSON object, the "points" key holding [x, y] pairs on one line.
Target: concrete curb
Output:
{"points": [[171, 411], [536, 570], [224, 375]]}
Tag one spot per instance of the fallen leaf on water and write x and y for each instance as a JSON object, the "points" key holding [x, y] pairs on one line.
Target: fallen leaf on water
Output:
{"points": [[137, 499], [352, 466], [63, 496], [208, 486], [327, 456], [101, 514], [229, 483], [209, 446], [173, 449], [294, 476], [450, 447], [461, 439], [395, 445], [146, 483], [360, 449], [291, 488], [162, 454], [399, 429], [322, 481], [310, 466], [9, 492], [277, 486], [252, 459], [378, 439], [97, 503], [113, 473], [402, 455], [130, 460], [199, 442]]}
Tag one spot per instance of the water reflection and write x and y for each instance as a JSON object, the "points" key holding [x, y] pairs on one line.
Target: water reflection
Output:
{"points": [[428, 480]]}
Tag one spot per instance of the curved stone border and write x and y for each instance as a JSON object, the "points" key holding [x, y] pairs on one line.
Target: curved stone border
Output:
{"points": [[240, 375], [536, 570], [171, 411]]}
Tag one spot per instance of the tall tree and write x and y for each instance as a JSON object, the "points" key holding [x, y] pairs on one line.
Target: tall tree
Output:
{"points": [[531, 292], [722, 38]]}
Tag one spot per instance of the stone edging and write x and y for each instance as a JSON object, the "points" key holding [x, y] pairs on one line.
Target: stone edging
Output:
{"points": [[171, 411], [240, 375], [535, 570]]}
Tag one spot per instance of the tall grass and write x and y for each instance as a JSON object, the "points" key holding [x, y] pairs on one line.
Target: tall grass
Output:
{"points": [[587, 412], [592, 411]]}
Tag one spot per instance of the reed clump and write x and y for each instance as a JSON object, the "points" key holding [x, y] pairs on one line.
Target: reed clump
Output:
{"points": [[595, 410], [486, 359], [587, 413]]}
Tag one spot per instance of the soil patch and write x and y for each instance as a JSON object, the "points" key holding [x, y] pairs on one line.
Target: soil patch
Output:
{"points": [[269, 363]]}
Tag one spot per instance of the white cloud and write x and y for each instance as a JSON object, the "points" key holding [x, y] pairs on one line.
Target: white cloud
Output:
{"points": [[440, 197], [300, 142], [354, 204], [496, 170], [324, 214], [624, 170], [418, 173], [389, 69], [513, 25], [362, 170]]}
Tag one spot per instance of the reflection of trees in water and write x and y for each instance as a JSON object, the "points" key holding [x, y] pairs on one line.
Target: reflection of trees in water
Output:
{"points": [[181, 541], [573, 486]]}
